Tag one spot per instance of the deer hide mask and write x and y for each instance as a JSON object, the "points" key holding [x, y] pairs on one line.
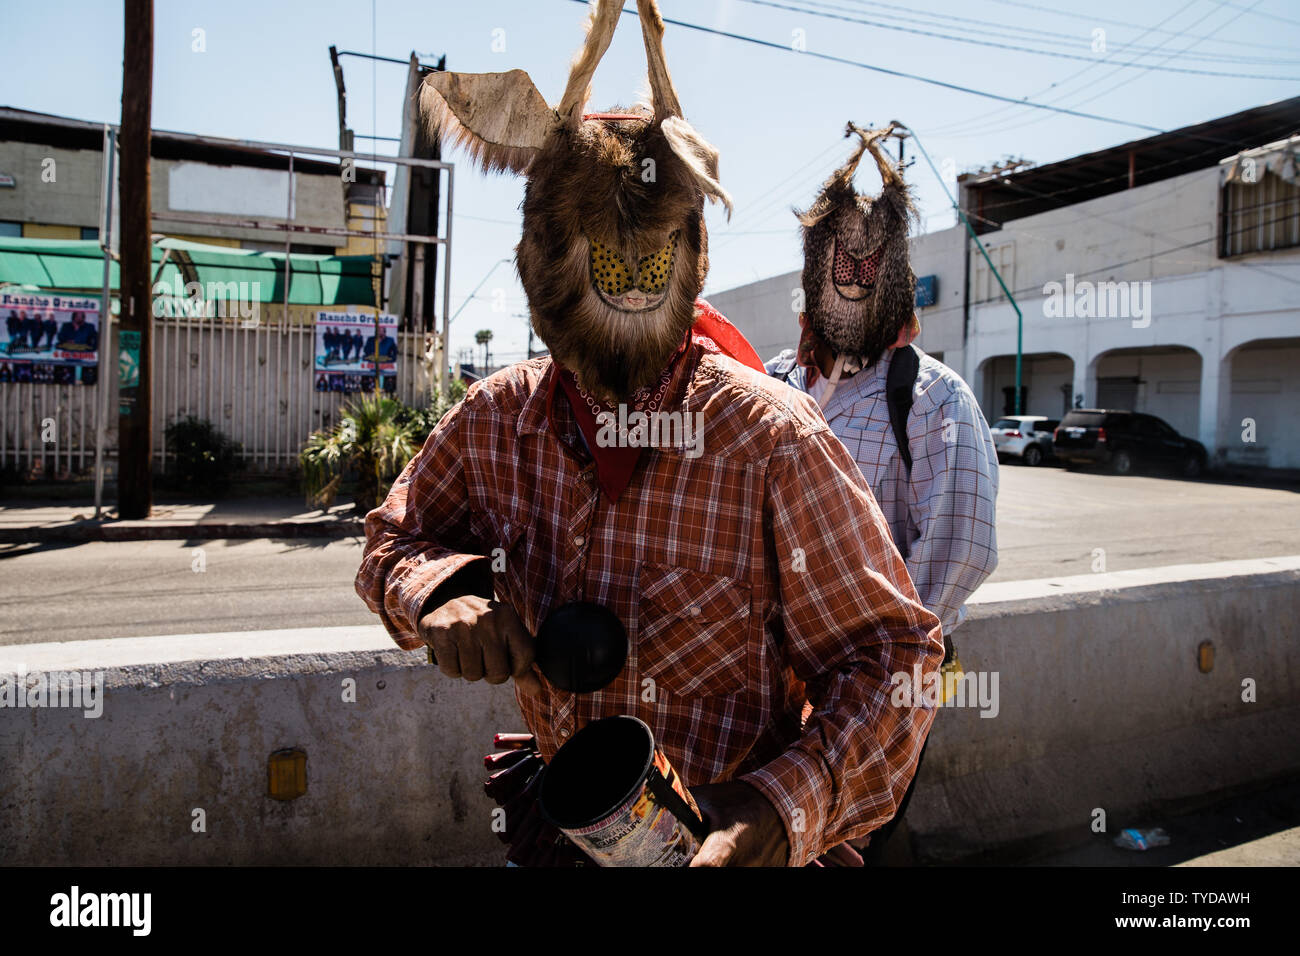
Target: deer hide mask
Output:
{"points": [[859, 290], [614, 250]]}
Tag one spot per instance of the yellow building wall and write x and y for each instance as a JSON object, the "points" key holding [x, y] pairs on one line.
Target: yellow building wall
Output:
{"points": [[34, 230], [364, 218]]}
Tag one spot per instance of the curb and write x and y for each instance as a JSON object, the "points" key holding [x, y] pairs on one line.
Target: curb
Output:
{"points": [[95, 531]]}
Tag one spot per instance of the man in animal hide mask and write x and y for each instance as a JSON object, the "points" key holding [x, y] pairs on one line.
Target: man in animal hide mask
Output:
{"points": [[649, 466], [909, 421]]}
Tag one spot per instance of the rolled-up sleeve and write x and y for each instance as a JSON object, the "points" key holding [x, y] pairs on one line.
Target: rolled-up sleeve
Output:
{"points": [[420, 536], [848, 621]]}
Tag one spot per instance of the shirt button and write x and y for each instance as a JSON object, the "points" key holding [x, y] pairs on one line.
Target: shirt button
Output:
{"points": [[564, 733], [696, 610], [579, 540]]}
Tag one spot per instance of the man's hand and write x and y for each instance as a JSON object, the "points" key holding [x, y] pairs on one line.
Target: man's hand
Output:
{"points": [[478, 639], [746, 829]]}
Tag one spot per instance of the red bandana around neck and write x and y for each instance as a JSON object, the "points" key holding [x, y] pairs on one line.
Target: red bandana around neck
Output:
{"points": [[615, 464]]}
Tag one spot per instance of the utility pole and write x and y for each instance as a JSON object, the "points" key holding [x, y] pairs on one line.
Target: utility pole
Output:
{"points": [[135, 338]]}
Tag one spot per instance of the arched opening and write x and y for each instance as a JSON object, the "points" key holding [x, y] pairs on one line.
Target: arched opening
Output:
{"points": [[1160, 380], [1046, 383], [1264, 393]]}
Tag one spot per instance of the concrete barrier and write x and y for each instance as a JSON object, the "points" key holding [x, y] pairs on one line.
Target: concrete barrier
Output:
{"points": [[188, 724], [1100, 704]]}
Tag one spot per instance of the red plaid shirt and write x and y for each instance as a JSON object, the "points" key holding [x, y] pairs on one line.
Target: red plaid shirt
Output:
{"points": [[751, 578]]}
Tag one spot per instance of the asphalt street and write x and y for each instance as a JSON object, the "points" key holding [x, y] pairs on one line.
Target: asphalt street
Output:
{"points": [[1050, 522]]}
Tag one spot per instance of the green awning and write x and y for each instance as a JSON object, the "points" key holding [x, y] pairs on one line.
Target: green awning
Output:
{"points": [[68, 265]]}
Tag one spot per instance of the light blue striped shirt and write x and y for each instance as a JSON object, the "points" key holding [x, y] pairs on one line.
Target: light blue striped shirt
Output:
{"points": [[943, 518]]}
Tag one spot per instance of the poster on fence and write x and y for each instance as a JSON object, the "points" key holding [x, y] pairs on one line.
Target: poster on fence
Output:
{"points": [[351, 357], [49, 339]]}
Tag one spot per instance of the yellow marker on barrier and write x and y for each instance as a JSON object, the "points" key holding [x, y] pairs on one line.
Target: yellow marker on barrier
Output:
{"points": [[949, 676]]}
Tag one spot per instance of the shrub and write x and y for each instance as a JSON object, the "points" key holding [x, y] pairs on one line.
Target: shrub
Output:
{"points": [[203, 459]]}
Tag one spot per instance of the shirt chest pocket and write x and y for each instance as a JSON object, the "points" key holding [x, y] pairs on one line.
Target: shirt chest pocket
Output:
{"points": [[693, 631], [510, 565]]}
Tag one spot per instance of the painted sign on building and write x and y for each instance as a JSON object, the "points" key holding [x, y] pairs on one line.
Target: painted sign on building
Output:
{"points": [[927, 291], [353, 351], [49, 339]]}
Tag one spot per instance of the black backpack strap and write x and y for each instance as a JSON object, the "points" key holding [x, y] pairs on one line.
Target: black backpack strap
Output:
{"points": [[900, 381], [900, 384]]}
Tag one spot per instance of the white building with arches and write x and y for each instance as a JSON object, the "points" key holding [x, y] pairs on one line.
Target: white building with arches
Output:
{"points": [[1161, 276]]}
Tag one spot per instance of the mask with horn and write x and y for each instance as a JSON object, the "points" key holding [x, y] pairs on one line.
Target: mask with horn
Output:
{"points": [[614, 249], [859, 290]]}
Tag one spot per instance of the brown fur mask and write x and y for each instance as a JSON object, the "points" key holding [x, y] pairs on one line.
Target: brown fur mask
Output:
{"points": [[614, 249], [859, 290]]}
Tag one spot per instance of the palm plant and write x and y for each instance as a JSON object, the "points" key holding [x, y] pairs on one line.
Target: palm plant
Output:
{"points": [[483, 337], [375, 437]]}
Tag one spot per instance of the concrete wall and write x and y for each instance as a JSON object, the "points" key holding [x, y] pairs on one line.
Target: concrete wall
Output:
{"points": [[764, 311], [189, 722], [1100, 705], [71, 200]]}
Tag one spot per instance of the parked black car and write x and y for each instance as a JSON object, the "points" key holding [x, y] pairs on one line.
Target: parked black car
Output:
{"points": [[1125, 441]]}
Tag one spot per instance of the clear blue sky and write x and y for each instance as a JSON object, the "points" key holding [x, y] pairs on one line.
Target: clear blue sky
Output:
{"points": [[776, 115]]}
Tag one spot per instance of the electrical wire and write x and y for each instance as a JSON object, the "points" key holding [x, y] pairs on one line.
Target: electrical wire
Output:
{"points": [[1126, 80], [1092, 18], [981, 122], [902, 74], [1258, 13], [946, 21], [1059, 54]]}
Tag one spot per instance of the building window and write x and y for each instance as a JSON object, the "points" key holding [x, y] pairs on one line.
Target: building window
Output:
{"points": [[985, 287], [1259, 216], [11, 230], [89, 232]]}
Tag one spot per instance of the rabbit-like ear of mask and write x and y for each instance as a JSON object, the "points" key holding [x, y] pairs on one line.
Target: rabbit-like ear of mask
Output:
{"points": [[499, 118], [701, 158]]}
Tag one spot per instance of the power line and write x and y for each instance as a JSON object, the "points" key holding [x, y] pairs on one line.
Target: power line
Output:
{"points": [[1092, 18], [957, 87], [1128, 80], [1258, 13], [1037, 32], [980, 122], [1059, 54]]}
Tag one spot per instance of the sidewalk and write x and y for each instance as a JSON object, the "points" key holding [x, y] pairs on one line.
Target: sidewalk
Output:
{"points": [[25, 522]]}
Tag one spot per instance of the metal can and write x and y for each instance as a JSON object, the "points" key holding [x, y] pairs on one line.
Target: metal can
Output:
{"points": [[613, 792]]}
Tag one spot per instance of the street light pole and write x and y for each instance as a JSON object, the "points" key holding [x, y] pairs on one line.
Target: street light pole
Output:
{"points": [[475, 289], [446, 327]]}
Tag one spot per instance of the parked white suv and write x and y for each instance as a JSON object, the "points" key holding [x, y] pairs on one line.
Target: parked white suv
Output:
{"points": [[1027, 437]]}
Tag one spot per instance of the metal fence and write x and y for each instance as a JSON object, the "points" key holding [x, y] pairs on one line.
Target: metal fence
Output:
{"points": [[255, 384]]}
